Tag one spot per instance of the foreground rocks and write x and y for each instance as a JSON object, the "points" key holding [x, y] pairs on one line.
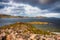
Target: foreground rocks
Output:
{"points": [[10, 34], [22, 31]]}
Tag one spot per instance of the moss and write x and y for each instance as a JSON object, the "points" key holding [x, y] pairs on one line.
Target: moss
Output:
{"points": [[26, 26]]}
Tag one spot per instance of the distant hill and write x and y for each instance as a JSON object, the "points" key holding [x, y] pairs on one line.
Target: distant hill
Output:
{"points": [[41, 23], [25, 28], [9, 16], [40, 17]]}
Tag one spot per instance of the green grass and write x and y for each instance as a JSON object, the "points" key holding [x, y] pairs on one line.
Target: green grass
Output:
{"points": [[26, 27]]}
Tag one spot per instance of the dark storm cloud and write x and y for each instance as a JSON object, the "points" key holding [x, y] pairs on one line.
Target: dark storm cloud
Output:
{"points": [[35, 3], [51, 8], [31, 2], [49, 5], [1, 6], [4, 0], [56, 10]]}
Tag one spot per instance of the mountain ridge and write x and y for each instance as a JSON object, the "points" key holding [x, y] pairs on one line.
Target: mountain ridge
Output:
{"points": [[9, 16]]}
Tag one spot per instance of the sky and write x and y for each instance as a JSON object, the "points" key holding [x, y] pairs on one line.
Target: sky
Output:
{"points": [[31, 8]]}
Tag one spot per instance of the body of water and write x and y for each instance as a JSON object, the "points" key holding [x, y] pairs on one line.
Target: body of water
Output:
{"points": [[7, 21]]}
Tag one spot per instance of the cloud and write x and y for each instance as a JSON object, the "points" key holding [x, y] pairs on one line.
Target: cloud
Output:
{"points": [[37, 3], [44, 1], [21, 9], [51, 15], [4, 0]]}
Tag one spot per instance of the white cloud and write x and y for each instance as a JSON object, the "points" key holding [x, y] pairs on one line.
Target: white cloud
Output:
{"points": [[51, 14], [16, 9]]}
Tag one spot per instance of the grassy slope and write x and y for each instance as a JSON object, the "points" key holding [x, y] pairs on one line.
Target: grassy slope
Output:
{"points": [[41, 23], [26, 27]]}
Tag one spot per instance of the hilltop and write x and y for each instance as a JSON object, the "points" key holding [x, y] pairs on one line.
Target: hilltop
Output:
{"points": [[9, 16], [25, 28]]}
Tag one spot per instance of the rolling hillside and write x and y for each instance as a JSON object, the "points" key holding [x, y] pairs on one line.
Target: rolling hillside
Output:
{"points": [[25, 28]]}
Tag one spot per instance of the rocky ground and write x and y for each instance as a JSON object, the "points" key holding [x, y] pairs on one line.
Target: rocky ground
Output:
{"points": [[24, 31]]}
